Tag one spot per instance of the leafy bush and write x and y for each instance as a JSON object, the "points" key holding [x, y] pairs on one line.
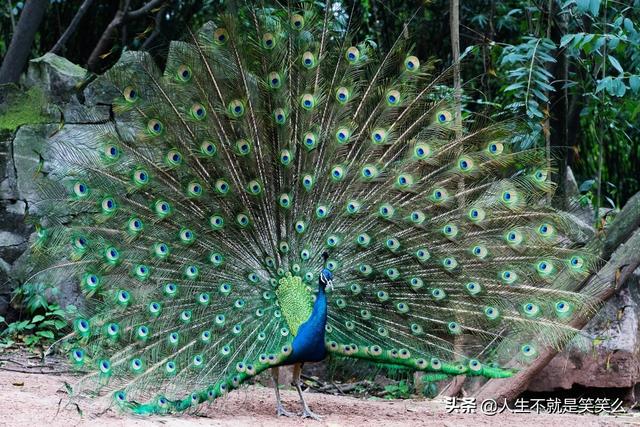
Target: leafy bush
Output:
{"points": [[41, 322]]}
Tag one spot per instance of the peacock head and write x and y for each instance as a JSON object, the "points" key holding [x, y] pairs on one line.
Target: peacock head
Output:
{"points": [[326, 279]]}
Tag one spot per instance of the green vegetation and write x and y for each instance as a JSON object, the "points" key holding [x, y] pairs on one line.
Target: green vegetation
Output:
{"points": [[21, 108], [41, 322]]}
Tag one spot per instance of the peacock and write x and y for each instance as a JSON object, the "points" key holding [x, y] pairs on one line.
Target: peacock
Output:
{"points": [[281, 193]]}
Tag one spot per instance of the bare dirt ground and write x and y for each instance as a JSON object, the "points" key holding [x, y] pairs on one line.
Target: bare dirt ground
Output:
{"points": [[39, 399]]}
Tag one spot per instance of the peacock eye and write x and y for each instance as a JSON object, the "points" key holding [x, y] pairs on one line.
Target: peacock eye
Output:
{"points": [[243, 147], [322, 211], [369, 171], [342, 135], [307, 102], [140, 177], [353, 206], [111, 152], [280, 116], [285, 157], [490, 311], [284, 200], [444, 116], [198, 112], [221, 36], [378, 136], [495, 148], [184, 73], [307, 182], [393, 98], [297, 21], [242, 220], [155, 127], [342, 95], [404, 181], [352, 55], [81, 190], [465, 164], [439, 195], [338, 173], [108, 205], [411, 63], [308, 60], [208, 148], [236, 108], [540, 175], [162, 208], [268, 41], [509, 197], [274, 80], [309, 141], [130, 94], [222, 186]]}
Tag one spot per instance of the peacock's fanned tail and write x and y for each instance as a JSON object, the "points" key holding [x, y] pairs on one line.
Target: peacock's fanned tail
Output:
{"points": [[195, 223]]}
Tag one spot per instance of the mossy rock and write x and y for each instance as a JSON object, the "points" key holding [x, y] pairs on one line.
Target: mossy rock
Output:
{"points": [[23, 107]]}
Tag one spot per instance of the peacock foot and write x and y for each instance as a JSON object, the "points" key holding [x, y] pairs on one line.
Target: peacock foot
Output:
{"points": [[306, 413], [281, 412]]}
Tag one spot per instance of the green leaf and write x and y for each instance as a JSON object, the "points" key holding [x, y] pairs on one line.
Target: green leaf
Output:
{"points": [[634, 83], [513, 86], [628, 25], [621, 88], [583, 5], [599, 43], [2, 319], [594, 7], [38, 318], [587, 185], [566, 39], [603, 84], [616, 64], [22, 324], [45, 334]]}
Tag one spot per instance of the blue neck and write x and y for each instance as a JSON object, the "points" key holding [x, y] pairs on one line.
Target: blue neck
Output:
{"points": [[308, 345]]}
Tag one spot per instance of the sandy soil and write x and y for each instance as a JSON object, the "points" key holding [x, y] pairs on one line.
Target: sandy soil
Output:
{"points": [[39, 399]]}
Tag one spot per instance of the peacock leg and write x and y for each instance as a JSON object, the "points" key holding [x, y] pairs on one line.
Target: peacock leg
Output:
{"points": [[280, 411], [306, 412]]}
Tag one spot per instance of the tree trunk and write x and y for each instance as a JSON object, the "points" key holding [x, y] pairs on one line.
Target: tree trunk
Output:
{"points": [[559, 114], [454, 387], [71, 29], [20, 47]]}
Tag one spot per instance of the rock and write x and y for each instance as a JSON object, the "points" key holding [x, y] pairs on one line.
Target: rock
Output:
{"points": [[67, 291], [59, 77], [58, 104], [611, 359], [28, 146], [100, 92], [11, 246], [62, 81]]}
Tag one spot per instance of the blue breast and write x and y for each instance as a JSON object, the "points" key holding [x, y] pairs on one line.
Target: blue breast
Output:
{"points": [[308, 345]]}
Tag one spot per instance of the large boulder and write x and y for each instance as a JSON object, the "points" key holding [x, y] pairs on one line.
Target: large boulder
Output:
{"points": [[56, 96]]}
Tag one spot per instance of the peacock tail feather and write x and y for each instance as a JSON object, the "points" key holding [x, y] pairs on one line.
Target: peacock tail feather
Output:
{"points": [[196, 221]]}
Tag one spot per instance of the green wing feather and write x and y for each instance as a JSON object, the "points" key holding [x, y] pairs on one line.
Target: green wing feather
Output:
{"points": [[196, 221]]}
